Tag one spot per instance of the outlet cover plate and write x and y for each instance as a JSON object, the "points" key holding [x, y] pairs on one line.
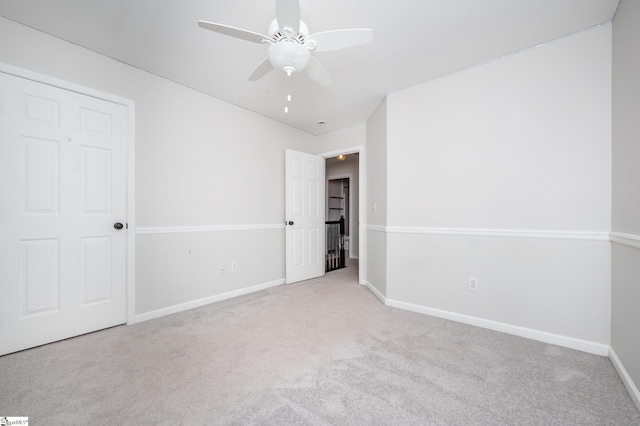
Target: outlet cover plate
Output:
{"points": [[473, 283]]}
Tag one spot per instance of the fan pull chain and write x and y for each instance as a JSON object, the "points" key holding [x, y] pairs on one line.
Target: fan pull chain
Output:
{"points": [[287, 92]]}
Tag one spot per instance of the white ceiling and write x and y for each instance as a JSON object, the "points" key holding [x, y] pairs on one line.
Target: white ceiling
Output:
{"points": [[415, 41]]}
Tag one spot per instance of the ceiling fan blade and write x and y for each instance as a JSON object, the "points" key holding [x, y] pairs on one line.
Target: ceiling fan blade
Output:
{"points": [[288, 14], [317, 72], [341, 39], [233, 31], [262, 70]]}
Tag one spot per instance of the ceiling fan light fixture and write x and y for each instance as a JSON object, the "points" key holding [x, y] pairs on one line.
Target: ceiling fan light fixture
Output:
{"points": [[289, 56], [290, 45]]}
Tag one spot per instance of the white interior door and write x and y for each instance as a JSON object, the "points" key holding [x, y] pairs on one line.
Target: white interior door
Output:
{"points": [[305, 200], [63, 162]]}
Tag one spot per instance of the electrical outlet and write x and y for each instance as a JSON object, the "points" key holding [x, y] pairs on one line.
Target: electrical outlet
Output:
{"points": [[234, 266], [473, 283]]}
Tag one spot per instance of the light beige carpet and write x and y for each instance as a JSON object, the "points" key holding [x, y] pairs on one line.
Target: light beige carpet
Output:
{"points": [[324, 351]]}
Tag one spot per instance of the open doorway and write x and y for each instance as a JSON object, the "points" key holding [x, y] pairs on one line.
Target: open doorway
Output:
{"points": [[337, 223], [343, 202]]}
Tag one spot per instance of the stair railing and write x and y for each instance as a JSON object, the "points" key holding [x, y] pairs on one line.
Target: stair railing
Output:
{"points": [[335, 258]]}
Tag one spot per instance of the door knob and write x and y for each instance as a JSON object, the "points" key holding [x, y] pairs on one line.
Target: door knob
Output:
{"points": [[118, 225], [290, 222]]}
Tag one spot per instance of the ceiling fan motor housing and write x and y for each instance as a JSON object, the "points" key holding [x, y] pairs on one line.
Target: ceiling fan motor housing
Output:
{"points": [[276, 33]]}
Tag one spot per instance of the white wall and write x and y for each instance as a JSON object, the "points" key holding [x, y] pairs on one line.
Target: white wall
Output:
{"points": [[503, 172], [625, 338], [341, 140], [376, 219], [209, 177], [518, 143]]}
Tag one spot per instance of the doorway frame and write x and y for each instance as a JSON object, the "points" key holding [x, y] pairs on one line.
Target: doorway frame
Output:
{"points": [[362, 203], [131, 145]]}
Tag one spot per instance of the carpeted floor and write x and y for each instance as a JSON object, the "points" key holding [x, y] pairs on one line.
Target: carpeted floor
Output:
{"points": [[324, 351]]}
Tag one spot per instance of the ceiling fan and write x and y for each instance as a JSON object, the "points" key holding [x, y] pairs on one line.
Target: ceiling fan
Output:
{"points": [[290, 44]]}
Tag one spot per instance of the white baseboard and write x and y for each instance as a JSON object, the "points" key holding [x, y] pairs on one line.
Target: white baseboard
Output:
{"points": [[541, 336], [634, 393], [376, 292], [205, 301]]}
